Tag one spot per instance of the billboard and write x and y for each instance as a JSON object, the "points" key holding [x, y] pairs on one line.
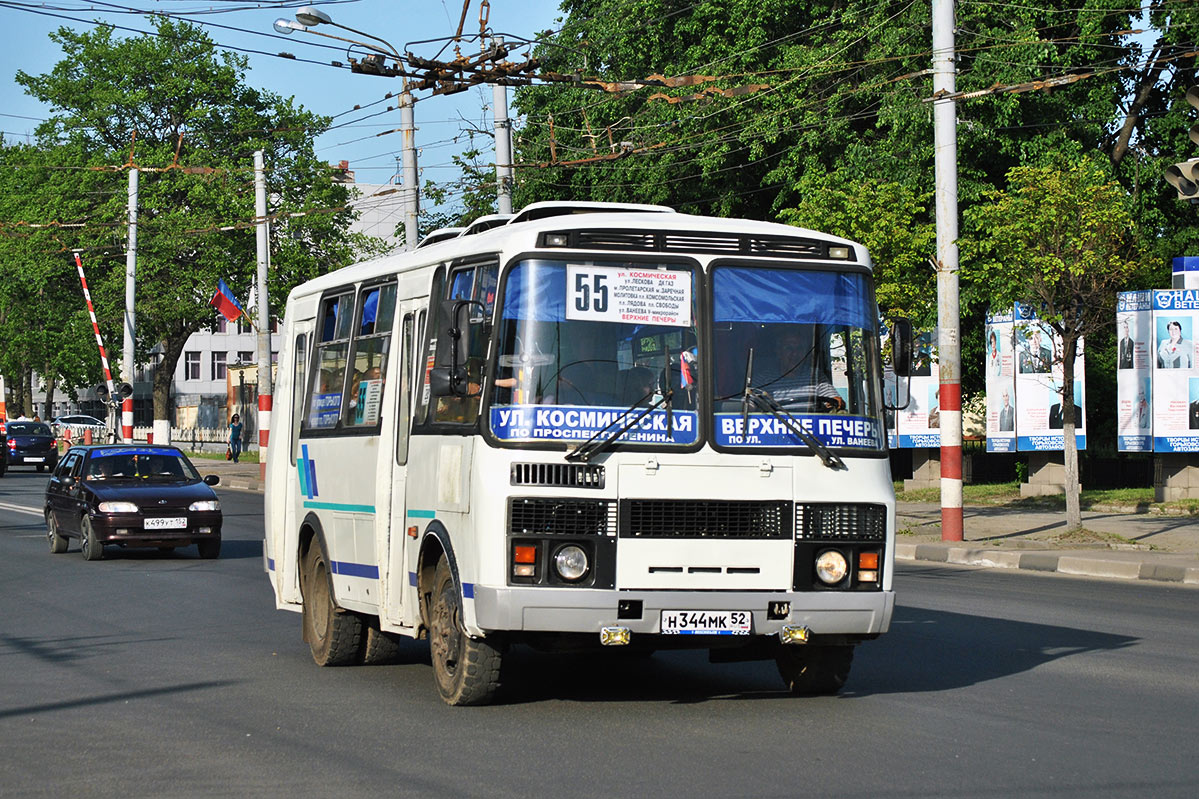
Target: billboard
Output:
{"points": [[1135, 356], [1024, 371], [918, 425], [1174, 388]]}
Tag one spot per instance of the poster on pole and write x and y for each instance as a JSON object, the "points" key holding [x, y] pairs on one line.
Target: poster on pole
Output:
{"points": [[1039, 407], [1134, 371], [1175, 395], [1001, 382], [918, 426]]}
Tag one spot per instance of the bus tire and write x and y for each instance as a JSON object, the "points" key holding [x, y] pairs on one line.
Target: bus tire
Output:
{"points": [[380, 648], [334, 637], [466, 670], [91, 547], [58, 542], [814, 670]]}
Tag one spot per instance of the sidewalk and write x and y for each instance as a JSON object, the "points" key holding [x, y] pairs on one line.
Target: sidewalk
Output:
{"points": [[1124, 544], [1121, 543]]}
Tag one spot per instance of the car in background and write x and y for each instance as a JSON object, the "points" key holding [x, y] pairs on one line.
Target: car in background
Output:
{"points": [[30, 444], [77, 423], [131, 495]]}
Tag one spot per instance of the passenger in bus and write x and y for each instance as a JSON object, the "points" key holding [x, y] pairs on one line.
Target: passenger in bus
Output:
{"points": [[638, 384], [796, 379]]}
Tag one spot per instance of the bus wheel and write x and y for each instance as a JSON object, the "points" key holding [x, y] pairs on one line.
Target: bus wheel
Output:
{"points": [[467, 670], [380, 648], [334, 638], [814, 670]]}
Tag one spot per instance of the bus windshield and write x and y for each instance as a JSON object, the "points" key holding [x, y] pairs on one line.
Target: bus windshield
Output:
{"points": [[585, 347], [806, 343]]}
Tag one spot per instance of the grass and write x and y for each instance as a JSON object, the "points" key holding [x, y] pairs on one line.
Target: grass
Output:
{"points": [[1009, 494], [245, 457]]}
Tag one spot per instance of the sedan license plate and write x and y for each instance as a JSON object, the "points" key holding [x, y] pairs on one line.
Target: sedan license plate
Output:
{"points": [[706, 622], [167, 523]]}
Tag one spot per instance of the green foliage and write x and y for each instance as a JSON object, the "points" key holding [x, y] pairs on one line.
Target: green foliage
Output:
{"points": [[183, 112]]}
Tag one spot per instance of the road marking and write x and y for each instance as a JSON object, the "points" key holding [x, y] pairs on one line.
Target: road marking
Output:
{"points": [[21, 508]]}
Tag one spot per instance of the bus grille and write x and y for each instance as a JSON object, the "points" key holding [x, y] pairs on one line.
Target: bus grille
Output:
{"points": [[792, 247], [697, 518], [821, 521], [558, 475], [538, 516]]}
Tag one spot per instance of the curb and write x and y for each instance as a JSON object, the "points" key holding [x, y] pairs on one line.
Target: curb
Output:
{"points": [[1072, 563]]}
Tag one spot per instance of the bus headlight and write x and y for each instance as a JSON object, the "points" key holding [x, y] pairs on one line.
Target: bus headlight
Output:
{"points": [[831, 567], [571, 563]]}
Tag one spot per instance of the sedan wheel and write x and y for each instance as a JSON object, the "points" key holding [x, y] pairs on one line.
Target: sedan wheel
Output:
{"points": [[92, 547], [58, 542]]}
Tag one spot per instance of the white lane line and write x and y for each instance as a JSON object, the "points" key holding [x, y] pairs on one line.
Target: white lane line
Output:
{"points": [[20, 508]]}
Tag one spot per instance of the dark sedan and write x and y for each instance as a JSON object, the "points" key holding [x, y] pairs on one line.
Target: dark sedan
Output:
{"points": [[30, 444], [131, 496]]}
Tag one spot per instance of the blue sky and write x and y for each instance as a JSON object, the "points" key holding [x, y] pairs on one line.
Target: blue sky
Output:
{"points": [[320, 88]]}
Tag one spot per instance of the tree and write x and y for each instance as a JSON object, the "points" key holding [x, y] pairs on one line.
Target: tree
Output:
{"points": [[1060, 238], [171, 102]]}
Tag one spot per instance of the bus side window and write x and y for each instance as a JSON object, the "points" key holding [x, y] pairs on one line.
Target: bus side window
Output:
{"points": [[298, 384], [476, 283], [404, 416], [332, 355], [368, 364], [428, 340]]}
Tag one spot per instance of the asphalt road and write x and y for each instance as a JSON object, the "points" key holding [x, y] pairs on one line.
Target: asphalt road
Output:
{"points": [[152, 675]]}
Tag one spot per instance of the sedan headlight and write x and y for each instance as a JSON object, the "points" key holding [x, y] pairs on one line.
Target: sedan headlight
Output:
{"points": [[117, 507], [205, 504]]}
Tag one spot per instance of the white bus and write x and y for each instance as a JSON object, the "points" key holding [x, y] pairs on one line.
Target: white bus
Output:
{"points": [[592, 425]]}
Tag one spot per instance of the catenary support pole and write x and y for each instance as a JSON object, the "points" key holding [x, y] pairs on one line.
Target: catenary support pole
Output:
{"points": [[949, 349], [411, 191], [503, 145], [264, 311], [127, 354]]}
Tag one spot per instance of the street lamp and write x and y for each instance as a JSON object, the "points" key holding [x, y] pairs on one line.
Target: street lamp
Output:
{"points": [[308, 17]]}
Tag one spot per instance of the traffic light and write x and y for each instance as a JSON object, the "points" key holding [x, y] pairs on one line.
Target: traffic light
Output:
{"points": [[1184, 177]]}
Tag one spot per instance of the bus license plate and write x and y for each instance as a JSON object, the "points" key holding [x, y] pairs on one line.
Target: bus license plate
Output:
{"points": [[167, 523], [706, 622]]}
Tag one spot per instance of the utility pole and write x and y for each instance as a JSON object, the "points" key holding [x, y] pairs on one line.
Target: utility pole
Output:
{"points": [[503, 144], [130, 318], [264, 312], [410, 191], [949, 348]]}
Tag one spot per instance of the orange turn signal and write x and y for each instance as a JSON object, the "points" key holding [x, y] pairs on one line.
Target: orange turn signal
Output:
{"points": [[867, 560], [524, 554]]}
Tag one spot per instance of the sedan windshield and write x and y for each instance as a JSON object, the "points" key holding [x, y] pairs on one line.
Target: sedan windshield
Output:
{"points": [[139, 463], [801, 342], [584, 348]]}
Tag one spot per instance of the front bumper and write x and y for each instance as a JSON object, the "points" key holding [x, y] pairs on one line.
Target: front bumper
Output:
{"points": [[109, 529], [546, 609]]}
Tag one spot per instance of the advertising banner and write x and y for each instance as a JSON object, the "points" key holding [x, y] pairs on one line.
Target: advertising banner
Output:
{"points": [[1134, 371], [1038, 379], [1001, 382], [918, 426], [1175, 385]]}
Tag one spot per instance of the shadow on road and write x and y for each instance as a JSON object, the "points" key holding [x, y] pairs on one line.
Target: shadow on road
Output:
{"points": [[122, 697]]}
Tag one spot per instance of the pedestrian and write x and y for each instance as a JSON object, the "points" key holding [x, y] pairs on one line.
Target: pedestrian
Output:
{"points": [[235, 437]]}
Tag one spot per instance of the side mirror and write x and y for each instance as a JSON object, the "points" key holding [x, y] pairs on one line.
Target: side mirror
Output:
{"points": [[67, 482], [212, 479], [449, 376], [901, 346]]}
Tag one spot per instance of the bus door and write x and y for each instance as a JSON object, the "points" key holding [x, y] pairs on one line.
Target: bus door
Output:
{"points": [[392, 546], [282, 544]]}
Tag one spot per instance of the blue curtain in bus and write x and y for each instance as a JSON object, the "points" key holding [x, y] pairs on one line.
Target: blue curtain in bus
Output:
{"points": [[536, 290], [746, 294]]}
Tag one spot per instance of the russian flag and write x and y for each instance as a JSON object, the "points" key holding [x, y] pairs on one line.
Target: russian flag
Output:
{"points": [[226, 303]]}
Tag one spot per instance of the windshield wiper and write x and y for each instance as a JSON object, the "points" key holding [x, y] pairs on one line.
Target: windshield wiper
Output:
{"points": [[763, 401], [595, 445]]}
